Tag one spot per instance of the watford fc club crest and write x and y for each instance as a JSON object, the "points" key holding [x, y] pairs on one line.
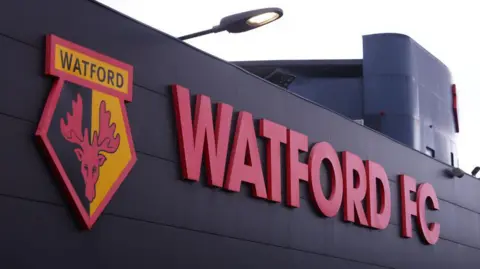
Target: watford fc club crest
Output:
{"points": [[84, 126]]}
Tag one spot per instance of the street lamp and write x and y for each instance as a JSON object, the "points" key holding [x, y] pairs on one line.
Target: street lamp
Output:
{"points": [[242, 22]]}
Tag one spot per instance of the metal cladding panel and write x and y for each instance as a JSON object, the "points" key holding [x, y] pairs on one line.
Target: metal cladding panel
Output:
{"points": [[342, 95], [380, 49], [390, 87], [157, 219], [403, 79]]}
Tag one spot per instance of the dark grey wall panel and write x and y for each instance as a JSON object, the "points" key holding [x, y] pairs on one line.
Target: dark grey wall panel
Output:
{"points": [[154, 132], [110, 244], [24, 88], [24, 170], [125, 243]]}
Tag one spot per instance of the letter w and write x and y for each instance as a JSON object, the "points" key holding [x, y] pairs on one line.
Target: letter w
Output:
{"points": [[198, 138], [66, 60]]}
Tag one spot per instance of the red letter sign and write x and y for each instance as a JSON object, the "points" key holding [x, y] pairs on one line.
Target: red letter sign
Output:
{"points": [[296, 170], [192, 147], [377, 219], [354, 193], [407, 185], [276, 134], [430, 232], [245, 149], [320, 152]]}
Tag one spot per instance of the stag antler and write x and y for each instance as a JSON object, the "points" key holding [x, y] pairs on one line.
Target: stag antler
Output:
{"points": [[105, 139], [72, 130]]}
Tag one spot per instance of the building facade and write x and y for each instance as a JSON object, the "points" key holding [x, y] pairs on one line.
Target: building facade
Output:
{"points": [[124, 147]]}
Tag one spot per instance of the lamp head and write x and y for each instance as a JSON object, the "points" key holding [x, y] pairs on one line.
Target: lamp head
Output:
{"points": [[241, 22], [475, 171], [249, 20]]}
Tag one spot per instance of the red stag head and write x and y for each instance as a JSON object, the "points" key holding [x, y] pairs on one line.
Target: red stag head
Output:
{"points": [[89, 153]]}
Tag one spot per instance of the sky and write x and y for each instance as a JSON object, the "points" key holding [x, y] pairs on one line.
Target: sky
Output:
{"points": [[326, 29]]}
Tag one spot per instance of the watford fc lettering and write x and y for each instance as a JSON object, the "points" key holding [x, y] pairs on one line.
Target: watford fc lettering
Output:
{"points": [[361, 187], [84, 126]]}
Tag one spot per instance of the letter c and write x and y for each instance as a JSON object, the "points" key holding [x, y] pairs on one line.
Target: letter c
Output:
{"points": [[430, 231]]}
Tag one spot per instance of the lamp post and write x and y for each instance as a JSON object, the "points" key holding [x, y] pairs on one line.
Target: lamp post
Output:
{"points": [[241, 22]]}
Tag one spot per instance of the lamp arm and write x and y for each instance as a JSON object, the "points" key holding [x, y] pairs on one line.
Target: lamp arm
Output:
{"points": [[214, 29]]}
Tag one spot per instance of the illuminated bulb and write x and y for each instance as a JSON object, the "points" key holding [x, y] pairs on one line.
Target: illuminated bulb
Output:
{"points": [[262, 19]]}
